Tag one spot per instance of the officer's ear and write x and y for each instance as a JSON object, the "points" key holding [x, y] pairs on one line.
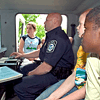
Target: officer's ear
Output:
{"points": [[55, 21], [99, 33]]}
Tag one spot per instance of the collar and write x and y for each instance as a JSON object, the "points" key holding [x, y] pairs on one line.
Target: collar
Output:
{"points": [[30, 37], [50, 33]]}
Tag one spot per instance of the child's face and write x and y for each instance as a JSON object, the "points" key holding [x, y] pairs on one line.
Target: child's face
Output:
{"points": [[80, 27], [90, 37], [30, 29]]}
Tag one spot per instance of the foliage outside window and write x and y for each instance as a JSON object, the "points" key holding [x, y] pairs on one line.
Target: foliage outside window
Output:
{"points": [[40, 31]]}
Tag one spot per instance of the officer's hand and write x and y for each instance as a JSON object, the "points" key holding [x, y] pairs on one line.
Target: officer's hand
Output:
{"points": [[18, 55]]}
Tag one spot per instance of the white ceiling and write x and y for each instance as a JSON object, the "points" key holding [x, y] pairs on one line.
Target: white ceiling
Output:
{"points": [[47, 6]]}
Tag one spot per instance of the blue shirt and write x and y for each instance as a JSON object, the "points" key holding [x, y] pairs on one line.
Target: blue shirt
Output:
{"points": [[57, 49], [30, 44]]}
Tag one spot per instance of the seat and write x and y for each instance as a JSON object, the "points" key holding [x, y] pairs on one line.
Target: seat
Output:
{"points": [[75, 45]]}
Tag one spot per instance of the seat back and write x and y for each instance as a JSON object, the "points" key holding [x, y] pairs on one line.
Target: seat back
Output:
{"points": [[75, 45]]}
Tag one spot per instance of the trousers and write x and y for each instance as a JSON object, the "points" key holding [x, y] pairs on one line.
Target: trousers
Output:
{"points": [[29, 87]]}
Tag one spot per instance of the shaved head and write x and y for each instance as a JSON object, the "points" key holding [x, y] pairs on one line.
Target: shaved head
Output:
{"points": [[53, 21], [57, 17]]}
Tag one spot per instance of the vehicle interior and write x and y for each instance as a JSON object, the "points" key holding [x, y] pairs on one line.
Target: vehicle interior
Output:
{"points": [[10, 8]]}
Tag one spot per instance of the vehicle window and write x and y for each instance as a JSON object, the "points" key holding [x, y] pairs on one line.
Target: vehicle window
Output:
{"points": [[39, 19]]}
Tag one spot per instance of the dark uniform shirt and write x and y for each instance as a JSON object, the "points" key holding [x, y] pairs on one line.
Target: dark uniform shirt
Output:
{"points": [[57, 49]]}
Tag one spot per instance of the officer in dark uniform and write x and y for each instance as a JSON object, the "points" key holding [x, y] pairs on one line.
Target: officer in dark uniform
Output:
{"points": [[57, 61], [57, 51]]}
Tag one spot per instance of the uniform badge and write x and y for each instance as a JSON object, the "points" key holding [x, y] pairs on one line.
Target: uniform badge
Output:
{"points": [[51, 46]]}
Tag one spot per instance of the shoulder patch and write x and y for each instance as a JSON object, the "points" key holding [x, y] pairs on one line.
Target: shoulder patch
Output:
{"points": [[51, 46]]}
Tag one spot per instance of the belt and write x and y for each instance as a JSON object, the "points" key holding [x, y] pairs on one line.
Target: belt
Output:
{"points": [[61, 72]]}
